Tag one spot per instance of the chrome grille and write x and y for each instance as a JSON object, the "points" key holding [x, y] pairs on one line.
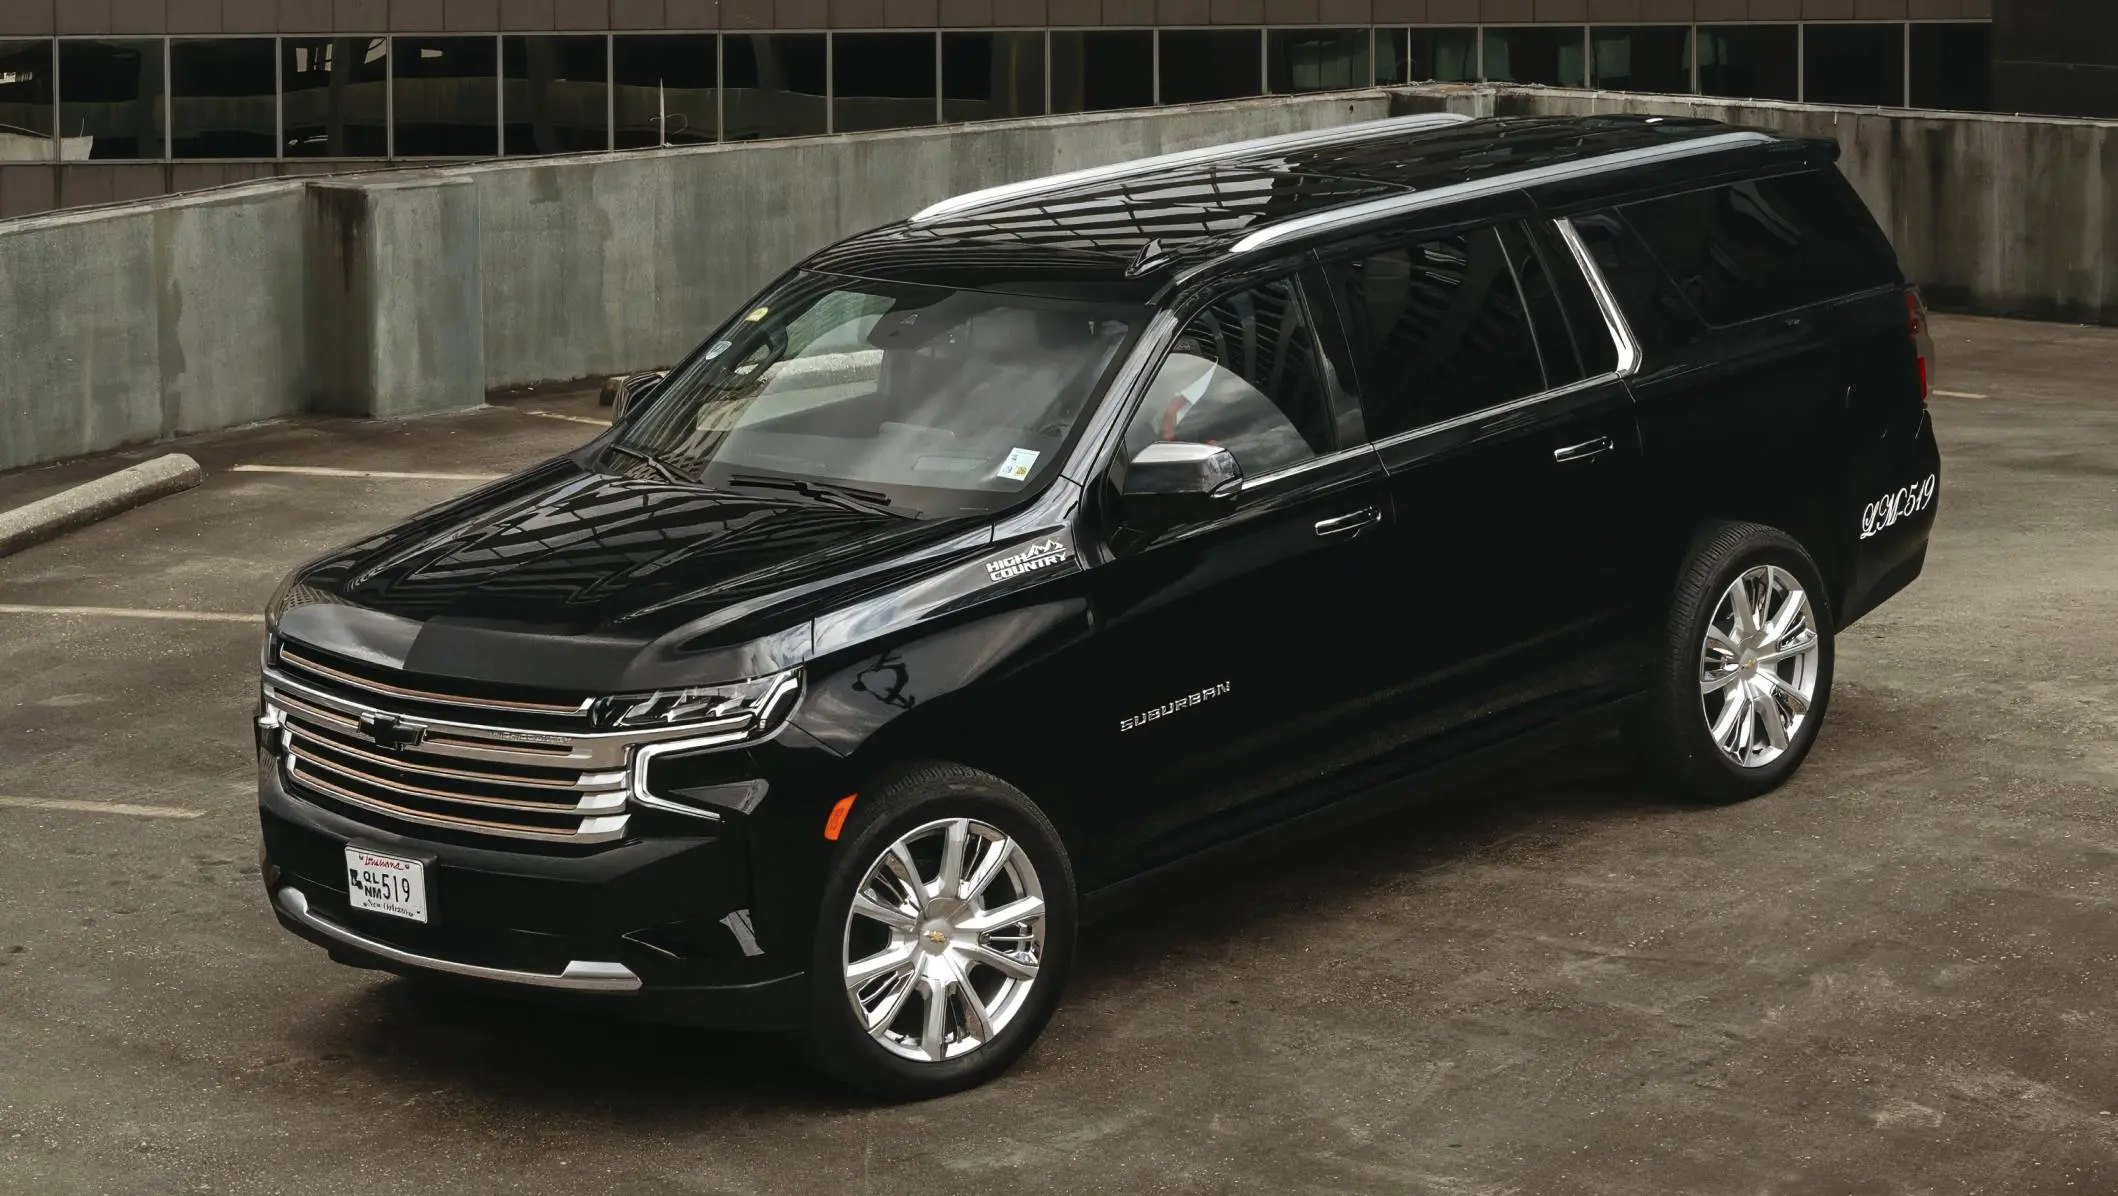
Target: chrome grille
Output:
{"points": [[510, 773]]}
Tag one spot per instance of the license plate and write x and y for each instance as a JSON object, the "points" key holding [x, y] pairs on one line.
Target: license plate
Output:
{"points": [[386, 884]]}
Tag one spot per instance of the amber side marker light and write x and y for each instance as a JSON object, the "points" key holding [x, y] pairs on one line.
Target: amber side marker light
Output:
{"points": [[837, 821]]}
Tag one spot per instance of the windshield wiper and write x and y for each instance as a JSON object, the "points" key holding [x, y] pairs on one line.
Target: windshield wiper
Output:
{"points": [[847, 498], [668, 471]]}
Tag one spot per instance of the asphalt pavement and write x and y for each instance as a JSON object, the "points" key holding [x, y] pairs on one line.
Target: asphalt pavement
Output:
{"points": [[1892, 976]]}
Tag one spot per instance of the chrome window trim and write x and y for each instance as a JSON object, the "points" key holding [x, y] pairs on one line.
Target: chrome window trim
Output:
{"points": [[1498, 409], [1387, 206], [1336, 457], [579, 976], [1614, 319], [971, 201]]}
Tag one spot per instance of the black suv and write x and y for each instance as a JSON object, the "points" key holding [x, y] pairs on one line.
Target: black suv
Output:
{"points": [[994, 561]]}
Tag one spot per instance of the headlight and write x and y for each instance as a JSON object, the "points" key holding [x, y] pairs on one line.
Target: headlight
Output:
{"points": [[760, 702]]}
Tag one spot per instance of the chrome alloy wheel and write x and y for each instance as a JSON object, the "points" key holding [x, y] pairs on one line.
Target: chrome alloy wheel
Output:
{"points": [[1758, 666], [944, 939]]}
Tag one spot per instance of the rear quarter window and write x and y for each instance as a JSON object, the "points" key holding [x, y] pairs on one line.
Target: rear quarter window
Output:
{"points": [[1762, 246]]}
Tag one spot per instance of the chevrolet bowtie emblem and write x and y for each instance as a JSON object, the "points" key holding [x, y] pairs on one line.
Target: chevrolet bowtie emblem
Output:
{"points": [[391, 732]]}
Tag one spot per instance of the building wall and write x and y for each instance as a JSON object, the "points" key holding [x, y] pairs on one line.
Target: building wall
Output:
{"points": [[168, 96], [2056, 56]]}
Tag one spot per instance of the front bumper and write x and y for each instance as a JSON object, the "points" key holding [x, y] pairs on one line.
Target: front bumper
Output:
{"points": [[655, 928]]}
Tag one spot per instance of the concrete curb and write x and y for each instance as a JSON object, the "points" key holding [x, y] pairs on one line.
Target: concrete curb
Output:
{"points": [[100, 499]]}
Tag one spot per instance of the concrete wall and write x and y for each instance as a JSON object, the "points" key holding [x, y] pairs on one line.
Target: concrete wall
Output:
{"points": [[133, 324], [599, 265], [399, 293], [1993, 215]]}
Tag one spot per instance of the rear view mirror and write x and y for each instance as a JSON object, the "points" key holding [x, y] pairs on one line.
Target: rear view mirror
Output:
{"points": [[1176, 482], [631, 392]]}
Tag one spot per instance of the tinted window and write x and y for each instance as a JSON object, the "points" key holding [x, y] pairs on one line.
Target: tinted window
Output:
{"points": [[1952, 66], [26, 110], [555, 94], [1765, 246], [1243, 375], [1438, 329], [1211, 64], [1555, 343], [1097, 70], [990, 75], [1750, 60], [110, 92], [333, 96], [1554, 55], [665, 89], [1412, 55], [882, 81], [1651, 58], [1658, 315], [1316, 59], [447, 96], [1854, 64], [775, 85]]}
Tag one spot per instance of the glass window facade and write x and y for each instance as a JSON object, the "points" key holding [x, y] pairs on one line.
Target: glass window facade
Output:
{"points": [[110, 92], [28, 114], [988, 76], [1952, 67], [1096, 70], [1650, 58], [223, 98], [555, 94], [883, 81], [777, 85], [665, 89], [1211, 64], [1553, 55], [446, 91], [334, 97], [1758, 62], [1316, 59], [459, 96], [1853, 64]]}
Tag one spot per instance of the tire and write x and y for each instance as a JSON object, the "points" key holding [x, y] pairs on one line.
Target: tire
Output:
{"points": [[920, 808], [1691, 737]]}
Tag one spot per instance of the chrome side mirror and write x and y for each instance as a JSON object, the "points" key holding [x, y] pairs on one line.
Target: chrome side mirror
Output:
{"points": [[1171, 483]]}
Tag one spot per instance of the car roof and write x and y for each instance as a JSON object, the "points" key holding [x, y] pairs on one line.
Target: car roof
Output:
{"points": [[1125, 231]]}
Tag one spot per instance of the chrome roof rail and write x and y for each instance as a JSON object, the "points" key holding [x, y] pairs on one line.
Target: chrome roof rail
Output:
{"points": [[1367, 130], [1392, 205]]}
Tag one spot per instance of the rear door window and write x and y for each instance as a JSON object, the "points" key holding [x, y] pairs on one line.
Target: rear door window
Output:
{"points": [[1764, 246], [1438, 328]]}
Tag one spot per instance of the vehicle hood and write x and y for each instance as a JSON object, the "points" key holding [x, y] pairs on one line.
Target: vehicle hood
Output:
{"points": [[566, 572]]}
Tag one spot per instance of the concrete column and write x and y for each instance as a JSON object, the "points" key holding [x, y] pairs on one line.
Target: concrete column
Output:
{"points": [[396, 305]]}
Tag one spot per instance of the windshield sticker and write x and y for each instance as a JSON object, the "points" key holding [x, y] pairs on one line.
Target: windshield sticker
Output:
{"points": [[1044, 554], [1017, 466], [1168, 708], [717, 348], [756, 314]]}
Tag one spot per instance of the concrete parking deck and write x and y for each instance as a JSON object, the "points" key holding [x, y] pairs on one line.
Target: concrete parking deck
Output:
{"points": [[1893, 976]]}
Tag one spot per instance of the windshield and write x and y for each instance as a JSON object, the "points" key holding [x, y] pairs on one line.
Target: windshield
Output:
{"points": [[925, 400]]}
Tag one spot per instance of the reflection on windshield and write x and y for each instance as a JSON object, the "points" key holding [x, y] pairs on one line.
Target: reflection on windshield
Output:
{"points": [[933, 400]]}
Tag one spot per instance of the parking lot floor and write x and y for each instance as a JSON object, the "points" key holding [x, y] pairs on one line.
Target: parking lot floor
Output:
{"points": [[1892, 976]]}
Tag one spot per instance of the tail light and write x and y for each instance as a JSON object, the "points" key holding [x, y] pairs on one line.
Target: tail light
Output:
{"points": [[1922, 340]]}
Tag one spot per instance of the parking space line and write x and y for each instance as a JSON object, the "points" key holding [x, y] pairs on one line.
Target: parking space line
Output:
{"points": [[98, 807], [323, 471], [123, 612], [1959, 394], [578, 419]]}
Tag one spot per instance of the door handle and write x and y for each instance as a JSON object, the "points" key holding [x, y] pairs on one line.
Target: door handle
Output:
{"points": [[1584, 451], [1342, 525]]}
